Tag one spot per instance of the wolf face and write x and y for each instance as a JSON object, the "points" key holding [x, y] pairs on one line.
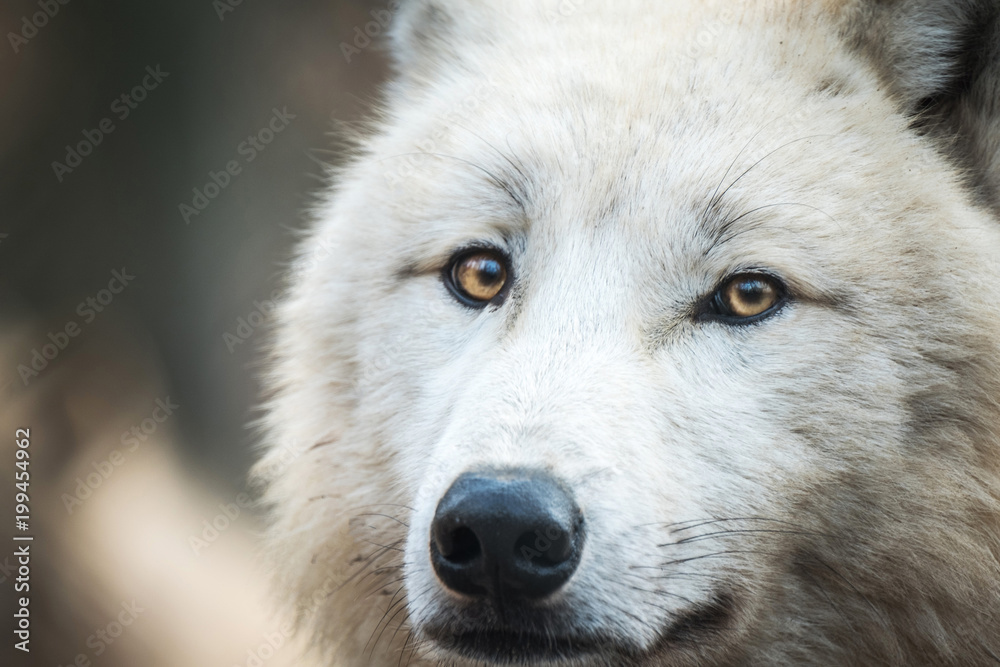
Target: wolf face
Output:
{"points": [[653, 334]]}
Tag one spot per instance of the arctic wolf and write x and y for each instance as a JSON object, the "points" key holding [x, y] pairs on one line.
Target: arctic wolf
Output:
{"points": [[653, 333]]}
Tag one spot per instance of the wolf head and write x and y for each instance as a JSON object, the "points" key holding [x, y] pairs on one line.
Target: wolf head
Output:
{"points": [[653, 334]]}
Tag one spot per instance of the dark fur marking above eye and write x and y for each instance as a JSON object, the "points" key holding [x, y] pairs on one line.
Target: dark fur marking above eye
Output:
{"points": [[407, 271]]}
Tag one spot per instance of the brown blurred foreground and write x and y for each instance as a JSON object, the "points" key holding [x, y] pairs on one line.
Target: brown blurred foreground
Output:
{"points": [[134, 562]]}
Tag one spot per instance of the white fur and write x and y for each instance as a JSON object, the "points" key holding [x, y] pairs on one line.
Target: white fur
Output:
{"points": [[848, 445]]}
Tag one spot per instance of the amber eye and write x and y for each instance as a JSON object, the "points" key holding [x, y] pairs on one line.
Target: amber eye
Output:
{"points": [[748, 296], [478, 277]]}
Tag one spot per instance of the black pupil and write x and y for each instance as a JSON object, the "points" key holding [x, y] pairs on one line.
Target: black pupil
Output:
{"points": [[752, 291], [490, 272]]}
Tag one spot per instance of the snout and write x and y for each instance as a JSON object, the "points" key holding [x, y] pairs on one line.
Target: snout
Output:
{"points": [[506, 536]]}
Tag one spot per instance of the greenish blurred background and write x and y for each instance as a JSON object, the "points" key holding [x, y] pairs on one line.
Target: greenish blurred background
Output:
{"points": [[93, 183]]}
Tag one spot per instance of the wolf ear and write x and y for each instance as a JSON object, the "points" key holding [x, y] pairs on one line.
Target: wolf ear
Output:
{"points": [[426, 34], [419, 31], [941, 59]]}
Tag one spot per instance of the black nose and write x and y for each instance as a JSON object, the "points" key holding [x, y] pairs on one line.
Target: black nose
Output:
{"points": [[506, 535]]}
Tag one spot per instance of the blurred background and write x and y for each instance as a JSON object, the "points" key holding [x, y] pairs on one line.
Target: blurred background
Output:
{"points": [[156, 158]]}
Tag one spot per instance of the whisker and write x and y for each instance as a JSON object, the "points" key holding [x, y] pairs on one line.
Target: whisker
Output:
{"points": [[506, 158], [878, 614], [393, 546], [712, 200], [755, 164], [364, 507], [366, 563], [402, 652], [815, 582], [722, 238], [493, 178], [721, 553], [402, 609], [690, 576], [750, 531], [387, 516], [376, 572], [697, 523], [625, 612], [381, 586], [399, 627], [657, 593], [389, 608]]}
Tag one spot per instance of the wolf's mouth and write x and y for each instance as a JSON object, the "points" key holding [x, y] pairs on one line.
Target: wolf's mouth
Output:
{"points": [[509, 647]]}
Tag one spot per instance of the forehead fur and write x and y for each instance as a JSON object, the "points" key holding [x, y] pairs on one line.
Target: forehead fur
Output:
{"points": [[682, 124]]}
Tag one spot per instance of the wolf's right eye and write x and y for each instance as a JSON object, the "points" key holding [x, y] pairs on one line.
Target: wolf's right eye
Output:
{"points": [[476, 278], [747, 298]]}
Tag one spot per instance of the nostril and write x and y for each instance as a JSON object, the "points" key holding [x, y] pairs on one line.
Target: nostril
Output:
{"points": [[464, 547], [547, 547]]}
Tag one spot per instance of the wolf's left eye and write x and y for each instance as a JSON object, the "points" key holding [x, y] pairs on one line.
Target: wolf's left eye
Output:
{"points": [[748, 297], [477, 277]]}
